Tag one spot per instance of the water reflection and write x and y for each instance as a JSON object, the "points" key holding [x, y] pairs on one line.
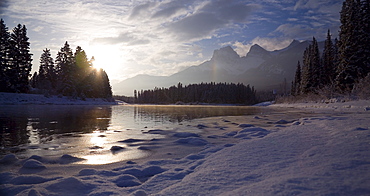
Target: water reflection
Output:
{"points": [[90, 131], [32, 124], [180, 113]]}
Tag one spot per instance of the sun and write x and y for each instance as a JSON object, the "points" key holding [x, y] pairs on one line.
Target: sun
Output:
{"points": [[106, 57]]}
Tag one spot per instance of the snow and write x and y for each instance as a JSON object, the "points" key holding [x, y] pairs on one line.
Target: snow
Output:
{"points": [[317, 149], [36, 99]]}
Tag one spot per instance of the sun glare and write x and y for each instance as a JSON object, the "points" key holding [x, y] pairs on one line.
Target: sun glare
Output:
{"points": [[105, 57]]}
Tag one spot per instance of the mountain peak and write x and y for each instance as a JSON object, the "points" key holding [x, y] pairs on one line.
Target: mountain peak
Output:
{"points": [[294, 43], [225, 52], [257, 50]]}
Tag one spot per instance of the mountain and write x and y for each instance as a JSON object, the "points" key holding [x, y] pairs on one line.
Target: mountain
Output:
{"points": [[265, 70]]}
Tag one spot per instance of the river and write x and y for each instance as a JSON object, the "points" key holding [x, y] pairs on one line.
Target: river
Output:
{"points": [[90, 131]]}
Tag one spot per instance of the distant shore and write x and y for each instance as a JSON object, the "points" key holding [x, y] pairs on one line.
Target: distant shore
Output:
{"points": [[352, 106], [37, 99]]}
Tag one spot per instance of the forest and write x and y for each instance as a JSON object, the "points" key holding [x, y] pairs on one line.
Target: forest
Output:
{"points": [[71, 74], [344, 65], [211, 93]]}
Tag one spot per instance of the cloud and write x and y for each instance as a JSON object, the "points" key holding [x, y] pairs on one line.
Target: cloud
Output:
{"points": [[268, 43], [141, 10], [209, 18], [241, 49], [127, 39], [168, 12], [3, 5], [272, 43], [294, 30], [38, 28], [292, 19], [196, 26]]}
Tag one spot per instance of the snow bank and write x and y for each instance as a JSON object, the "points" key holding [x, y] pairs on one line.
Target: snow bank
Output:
{"points": [[23, 99], [311, 155], [353, 106]]}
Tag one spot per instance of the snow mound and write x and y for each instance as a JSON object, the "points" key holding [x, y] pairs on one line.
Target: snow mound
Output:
{"points": [[30, 179], [151, 171], [185, 134], [139, 193], [282, 121], [87, 172], [248, 133], [192, 141], [66, 159], [245, 125], [155, 131], [70, 186], [201, 126], [9, 158], [131, 140], [127, 180], [116, 148], [33, 164]]}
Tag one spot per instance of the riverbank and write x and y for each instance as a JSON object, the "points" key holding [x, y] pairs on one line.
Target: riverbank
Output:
{"points": [[37, 99], [315, 149]]}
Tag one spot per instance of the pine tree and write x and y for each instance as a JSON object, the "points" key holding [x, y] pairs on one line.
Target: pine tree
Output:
{"points": [[65, 69], [296, 87], [351, 55], [366, 37], [21, 64], [107, 89], [328, 69], [311, 71], [46, 77], [83, 69], [34, 80], [5, 60]]}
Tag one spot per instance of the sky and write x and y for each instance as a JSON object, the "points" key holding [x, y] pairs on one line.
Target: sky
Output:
{"points": [[162, 37]]}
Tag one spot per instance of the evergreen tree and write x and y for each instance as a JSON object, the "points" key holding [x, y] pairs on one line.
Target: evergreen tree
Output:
{"points": [[311, 71], [46, 76], [351, 54], [328, 58], [34, 80], [5, 60], [296, 87], [366, 34], [21, 64], [106, 89], [83, 69], [65, 69]]}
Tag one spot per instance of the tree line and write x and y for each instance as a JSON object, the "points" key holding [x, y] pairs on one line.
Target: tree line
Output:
{"points": [[215, 93], [344, 62], [15, 59], [71, 74]]}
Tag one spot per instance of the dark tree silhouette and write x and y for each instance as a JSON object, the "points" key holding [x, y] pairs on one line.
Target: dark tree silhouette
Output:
{"points": [[220, 93]]}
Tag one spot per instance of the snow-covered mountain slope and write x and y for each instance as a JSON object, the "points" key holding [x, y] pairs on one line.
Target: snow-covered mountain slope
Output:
{"points": [[263, 69]]}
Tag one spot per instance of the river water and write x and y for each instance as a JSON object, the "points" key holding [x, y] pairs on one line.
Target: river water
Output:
{"points": [[90, 131]]}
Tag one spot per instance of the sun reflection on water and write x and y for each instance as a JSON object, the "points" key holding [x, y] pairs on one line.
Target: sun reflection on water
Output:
{"points": [[99, 150], [106, 156], [98, 139]]}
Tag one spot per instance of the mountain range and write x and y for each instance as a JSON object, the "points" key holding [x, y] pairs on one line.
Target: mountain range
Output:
{"points": [[265, 70]]}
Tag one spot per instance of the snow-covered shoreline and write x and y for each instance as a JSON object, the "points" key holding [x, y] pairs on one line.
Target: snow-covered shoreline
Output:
{"points": [[324, 152], [353, 106], [37, 99]]}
